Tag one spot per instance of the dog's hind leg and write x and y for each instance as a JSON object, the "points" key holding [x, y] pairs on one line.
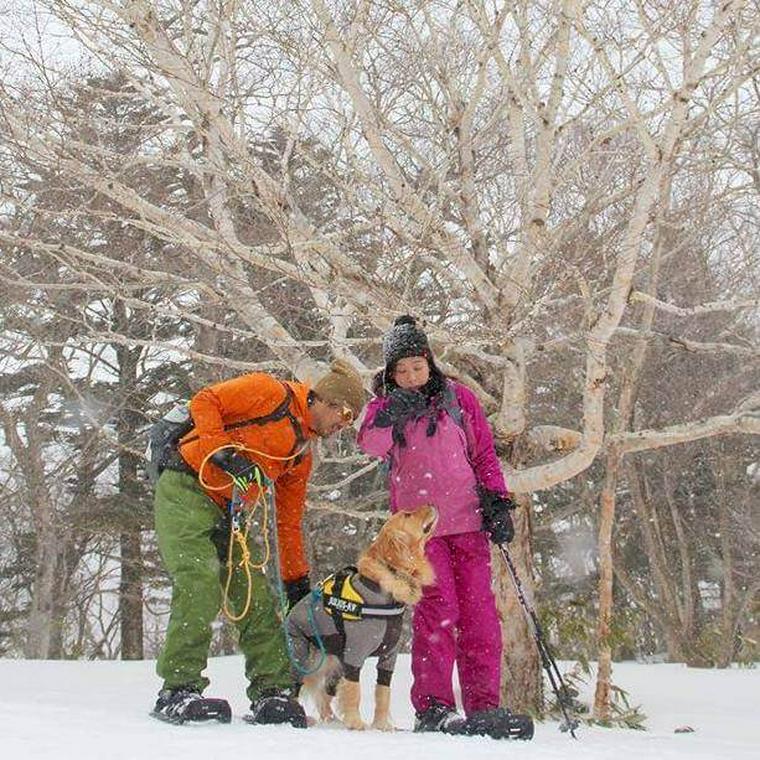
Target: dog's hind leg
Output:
{"points": [[349, 697], [382, 719], [324, 706], [320, 686], [332, 675]]}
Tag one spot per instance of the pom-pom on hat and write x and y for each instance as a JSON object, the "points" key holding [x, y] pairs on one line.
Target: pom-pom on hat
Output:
{"points": [[404, 339], [341, 386]]}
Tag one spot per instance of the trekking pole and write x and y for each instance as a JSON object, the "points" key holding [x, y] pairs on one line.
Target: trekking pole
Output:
{"points": [[547, 659]]}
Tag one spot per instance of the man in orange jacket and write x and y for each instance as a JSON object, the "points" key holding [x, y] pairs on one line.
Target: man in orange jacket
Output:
{"points": [[246, 431]]}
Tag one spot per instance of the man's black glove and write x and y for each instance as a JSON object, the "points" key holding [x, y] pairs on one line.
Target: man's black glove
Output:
{"points": [[497, 521], [243, 471], [296, 590]]}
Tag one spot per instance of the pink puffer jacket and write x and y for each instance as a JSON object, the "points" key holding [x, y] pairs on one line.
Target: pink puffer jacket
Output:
{"points": [[443, 469]]}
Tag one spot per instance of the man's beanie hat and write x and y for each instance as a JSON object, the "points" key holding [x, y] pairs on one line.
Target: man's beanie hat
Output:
{"points": [[342, 385], [404, 339]]}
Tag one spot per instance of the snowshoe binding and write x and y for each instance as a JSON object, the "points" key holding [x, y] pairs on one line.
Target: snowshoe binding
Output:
{"points": [[186, 705], [439, 717], [499, 723], [276, 706]]}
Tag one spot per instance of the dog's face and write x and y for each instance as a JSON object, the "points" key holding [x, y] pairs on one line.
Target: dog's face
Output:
{"points": [[401, 542]]}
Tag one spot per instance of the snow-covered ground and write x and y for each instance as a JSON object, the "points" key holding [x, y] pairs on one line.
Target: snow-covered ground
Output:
{"points": [[83, 710]]}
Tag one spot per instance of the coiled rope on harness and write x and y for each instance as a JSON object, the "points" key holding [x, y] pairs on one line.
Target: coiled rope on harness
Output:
{"points": [[241, 518]]}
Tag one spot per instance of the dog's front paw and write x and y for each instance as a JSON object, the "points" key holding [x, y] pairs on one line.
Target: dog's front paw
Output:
{"points": [[354, 722], [383, 725]]}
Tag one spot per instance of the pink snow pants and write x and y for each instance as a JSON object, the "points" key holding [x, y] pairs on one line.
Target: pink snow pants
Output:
{"points": [[456, 622]]}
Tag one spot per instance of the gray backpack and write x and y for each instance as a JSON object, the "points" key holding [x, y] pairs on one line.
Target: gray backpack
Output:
{"points": [[163, 438]]}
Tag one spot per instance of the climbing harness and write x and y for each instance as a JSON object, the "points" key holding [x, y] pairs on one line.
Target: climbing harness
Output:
{"points": [[241, 515]]}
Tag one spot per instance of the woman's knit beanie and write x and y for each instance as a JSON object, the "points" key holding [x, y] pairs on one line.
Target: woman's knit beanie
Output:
{"points": [[404, 339]]}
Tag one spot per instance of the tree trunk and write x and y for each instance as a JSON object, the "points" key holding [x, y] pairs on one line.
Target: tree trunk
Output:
{"points": [[131, 581], [687, 582], [131, 596], [728, 617], [606, 522], [29, 458], [39, 632], [521, 686], [677, 635]]}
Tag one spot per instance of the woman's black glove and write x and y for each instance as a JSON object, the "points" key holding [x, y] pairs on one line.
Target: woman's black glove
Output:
{"points": [[497, 521], [403, 405], [297, 590]]}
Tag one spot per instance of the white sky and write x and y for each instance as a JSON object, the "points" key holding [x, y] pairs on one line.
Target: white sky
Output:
{"points": [[28, 30]]}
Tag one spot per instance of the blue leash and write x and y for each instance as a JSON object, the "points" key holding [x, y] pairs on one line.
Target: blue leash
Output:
{"points": [[315, 598]]}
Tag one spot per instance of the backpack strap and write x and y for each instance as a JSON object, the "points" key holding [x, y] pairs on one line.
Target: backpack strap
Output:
{"points": [[300, 440], [282, 410], [451, 404]]}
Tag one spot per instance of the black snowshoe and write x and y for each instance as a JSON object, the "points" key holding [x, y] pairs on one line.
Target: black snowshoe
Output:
{"points": [[499, 723], [276, 706], [186, 705], [439, 717]]}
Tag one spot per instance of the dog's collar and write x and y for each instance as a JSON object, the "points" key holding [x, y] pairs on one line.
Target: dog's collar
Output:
{"points": [[375, 587], [402, 575], [370, 584]]}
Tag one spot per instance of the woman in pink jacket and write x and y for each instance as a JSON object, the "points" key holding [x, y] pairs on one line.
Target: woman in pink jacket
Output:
{"points": [[433, 435]]}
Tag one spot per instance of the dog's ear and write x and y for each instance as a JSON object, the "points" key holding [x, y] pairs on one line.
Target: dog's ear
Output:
{"points": [[376, 550], [392, 545]]}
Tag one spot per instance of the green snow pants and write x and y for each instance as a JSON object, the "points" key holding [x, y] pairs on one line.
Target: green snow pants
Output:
{"points": [[185, 521]]}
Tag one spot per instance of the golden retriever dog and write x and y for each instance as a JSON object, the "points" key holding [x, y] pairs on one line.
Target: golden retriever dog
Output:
{"points": [[357, 613]]}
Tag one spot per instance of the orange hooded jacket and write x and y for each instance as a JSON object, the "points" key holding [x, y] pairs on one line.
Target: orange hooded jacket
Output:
{"points": [[231, 412]]}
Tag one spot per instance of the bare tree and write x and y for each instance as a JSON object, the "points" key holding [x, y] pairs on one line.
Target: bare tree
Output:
{"points": [[506, 171]]}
